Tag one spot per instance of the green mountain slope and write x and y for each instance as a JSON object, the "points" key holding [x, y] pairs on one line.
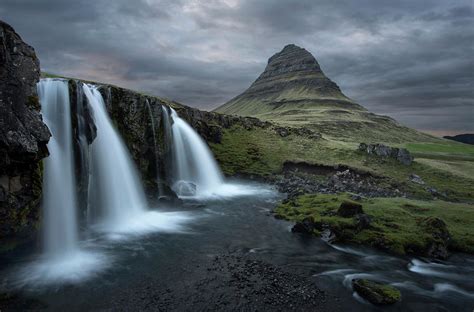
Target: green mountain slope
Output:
{"points": [[294, 91]]}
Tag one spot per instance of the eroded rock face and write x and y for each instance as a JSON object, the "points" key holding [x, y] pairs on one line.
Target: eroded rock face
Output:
{"points": [[402, 155], [23, 135]]}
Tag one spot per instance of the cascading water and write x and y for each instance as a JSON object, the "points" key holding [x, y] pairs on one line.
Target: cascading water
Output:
{"points": [[63, 258], [193, 161], [59, 190], [117, 195], [117, 199]]}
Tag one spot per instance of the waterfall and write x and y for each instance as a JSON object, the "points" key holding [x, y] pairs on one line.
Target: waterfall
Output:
{"points": [[59, 186], [195, 171], [117, 193]]}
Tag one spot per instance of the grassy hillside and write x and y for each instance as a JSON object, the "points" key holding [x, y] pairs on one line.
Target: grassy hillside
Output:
{"points": [[263, 152]]}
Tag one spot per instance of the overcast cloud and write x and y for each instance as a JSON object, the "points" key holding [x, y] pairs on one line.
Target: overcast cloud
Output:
{"points": [[412, 60]]}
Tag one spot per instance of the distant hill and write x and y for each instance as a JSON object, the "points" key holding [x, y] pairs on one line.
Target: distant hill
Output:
{"points": [[467, 138], [294, 91]]}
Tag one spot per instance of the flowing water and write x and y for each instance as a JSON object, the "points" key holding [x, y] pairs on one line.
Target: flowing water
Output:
{"points": [[195, 173], [244, 226], [117, 196], [59, 191]]}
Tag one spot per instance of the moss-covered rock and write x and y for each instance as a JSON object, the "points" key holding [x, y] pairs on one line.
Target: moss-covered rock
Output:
{"points": [[376, 293], [349, 208]]}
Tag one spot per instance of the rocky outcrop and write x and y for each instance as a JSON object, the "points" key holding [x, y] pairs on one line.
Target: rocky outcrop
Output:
{"points": [[23, 136], [303, 178], [439, 240], [402, 155]]}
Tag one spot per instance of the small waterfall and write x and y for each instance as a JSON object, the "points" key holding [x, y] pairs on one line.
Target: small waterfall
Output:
{"points": [[194, 164], [59, 186], [117, 193]]}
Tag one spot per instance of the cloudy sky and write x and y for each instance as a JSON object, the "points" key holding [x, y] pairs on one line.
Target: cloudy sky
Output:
{"points": [[412, 60]]}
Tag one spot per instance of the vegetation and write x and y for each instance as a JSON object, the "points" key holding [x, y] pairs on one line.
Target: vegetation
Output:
{"points": [[399, 225], [263, 152]]}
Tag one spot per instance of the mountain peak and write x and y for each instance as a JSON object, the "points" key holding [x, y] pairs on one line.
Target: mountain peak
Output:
{"points": [[291, 76]]}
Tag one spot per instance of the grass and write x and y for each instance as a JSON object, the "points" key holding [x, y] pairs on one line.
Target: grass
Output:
{"points": [[397, 223], [262, 152]]}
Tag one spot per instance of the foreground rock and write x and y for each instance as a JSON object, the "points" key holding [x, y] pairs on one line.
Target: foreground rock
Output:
{"points": [[23, 136], [376, 293], [440, 237]]}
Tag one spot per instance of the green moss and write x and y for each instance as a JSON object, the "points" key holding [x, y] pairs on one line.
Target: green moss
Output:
{"points": [[389, 293], [262, 152], [398, 224]]}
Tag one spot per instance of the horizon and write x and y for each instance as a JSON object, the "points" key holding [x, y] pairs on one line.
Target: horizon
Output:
{"points": [[412, 62]]}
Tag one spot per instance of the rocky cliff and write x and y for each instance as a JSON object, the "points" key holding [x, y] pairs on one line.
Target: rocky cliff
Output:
{"points": [[23, 136]]}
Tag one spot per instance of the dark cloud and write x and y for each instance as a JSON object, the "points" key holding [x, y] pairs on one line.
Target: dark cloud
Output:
{"points": [[412, 60]]}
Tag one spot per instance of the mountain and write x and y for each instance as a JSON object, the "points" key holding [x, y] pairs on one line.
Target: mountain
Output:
{"points": [[292, 76], [294, 91], [467, 138]]}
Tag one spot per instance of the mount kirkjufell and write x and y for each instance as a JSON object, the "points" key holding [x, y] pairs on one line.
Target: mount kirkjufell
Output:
{"points": [[294, 91]]}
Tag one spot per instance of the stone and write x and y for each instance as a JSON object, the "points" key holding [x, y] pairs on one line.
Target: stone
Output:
{"points": [[185, 188], [440, 237], [349, 209], [362, 221], [402, 155], [416, 179], [376, 293], [307, 226]]}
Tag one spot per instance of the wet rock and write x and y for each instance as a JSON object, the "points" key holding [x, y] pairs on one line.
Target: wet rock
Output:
{"points": [[307, 226], [376, 293], [349, 209], [185, 188]]}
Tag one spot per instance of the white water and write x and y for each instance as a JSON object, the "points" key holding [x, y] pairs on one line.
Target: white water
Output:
{"points": [[59, 185], [193, 160], [118, 202], [116, 193], [194, 163], [62, 258]]}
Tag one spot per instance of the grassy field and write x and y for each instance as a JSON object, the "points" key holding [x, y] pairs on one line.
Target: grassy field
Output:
{"points": [[262, 152], [397, 222]]}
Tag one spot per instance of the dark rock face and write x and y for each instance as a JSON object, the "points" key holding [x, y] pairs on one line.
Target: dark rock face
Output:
{"points": [[349, 209], [400, 154], [23, 135], [376, 293], [307, 226]]}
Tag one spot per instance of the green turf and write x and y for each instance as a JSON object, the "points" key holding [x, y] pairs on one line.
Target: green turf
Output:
{"points": [[398, 222]]}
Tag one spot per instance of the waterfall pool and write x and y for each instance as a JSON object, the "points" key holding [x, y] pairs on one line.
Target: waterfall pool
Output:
{"points": [[170, 268]]}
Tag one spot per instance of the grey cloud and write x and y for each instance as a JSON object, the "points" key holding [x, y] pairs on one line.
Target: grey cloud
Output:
{"points": [[412, 60]]}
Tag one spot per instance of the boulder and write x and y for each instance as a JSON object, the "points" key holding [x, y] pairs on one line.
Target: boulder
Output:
{"points": [[416, 179], [307, 226], [349, 209], [376, 293], [185, 188], [440, 238]]}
